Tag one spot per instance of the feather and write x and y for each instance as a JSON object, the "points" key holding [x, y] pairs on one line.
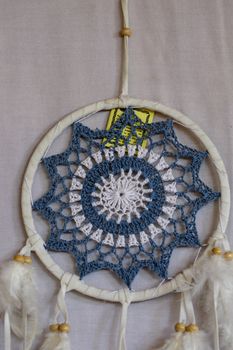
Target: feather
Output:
{"points": [[17, 297], [195, 341], [214, 276], [213, 269], [56, 341], [187, 341], [174, 343]]}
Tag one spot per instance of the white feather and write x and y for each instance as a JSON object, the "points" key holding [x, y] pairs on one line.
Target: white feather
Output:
{"points": [[174, 343], [195, 341], [214, 287], [17, 296], [211, 269], [56, 341], [187, 341]]}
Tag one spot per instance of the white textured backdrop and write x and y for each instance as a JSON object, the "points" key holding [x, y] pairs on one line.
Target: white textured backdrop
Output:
{"points": [[56, 56]]}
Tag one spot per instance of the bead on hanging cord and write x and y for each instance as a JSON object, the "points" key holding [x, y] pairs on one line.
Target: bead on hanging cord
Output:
{"points": [[181, 327], [227, 255], [24, 259], [62, 327], [192, 328], [126, 31]]}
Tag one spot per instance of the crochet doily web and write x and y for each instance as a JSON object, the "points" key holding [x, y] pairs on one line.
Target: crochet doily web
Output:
{"points": [[124, 202]]}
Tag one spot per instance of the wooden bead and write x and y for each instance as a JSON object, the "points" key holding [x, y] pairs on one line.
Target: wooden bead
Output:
{"points": [[64, 327], [216, 251], [19, 258], [228, 255], [27, 259], [180, 327], [54, 327], [126, 32], [191, 328]]}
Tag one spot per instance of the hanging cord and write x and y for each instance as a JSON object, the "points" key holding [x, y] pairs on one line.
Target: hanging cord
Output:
{"points": [[125, 33], [7, 332], [61, 308], [187, 313], [215, 301], [187, 307], [126, 300]]}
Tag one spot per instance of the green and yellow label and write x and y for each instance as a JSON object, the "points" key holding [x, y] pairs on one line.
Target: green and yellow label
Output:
{"points": [[144, 115]]}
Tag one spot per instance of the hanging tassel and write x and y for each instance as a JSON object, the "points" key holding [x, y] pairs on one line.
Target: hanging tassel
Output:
{"points": [[214, 287], [57, 338], [187, 336], [17, 299]]}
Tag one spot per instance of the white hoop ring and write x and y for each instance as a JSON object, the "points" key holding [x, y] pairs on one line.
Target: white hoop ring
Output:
{"points": [[36, 242]]}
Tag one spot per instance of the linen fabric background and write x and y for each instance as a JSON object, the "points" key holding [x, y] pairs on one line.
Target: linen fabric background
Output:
{"points": [[59, 55]]}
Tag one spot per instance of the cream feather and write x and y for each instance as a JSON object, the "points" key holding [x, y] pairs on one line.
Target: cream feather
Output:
{"points": [[196, 341], [174, 343], [187, 341], [214, 287], [56, 341], [17, 296], [213, 269]]}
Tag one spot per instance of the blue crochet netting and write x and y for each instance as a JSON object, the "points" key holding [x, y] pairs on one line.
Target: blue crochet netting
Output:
{"points": [[124, 207]]}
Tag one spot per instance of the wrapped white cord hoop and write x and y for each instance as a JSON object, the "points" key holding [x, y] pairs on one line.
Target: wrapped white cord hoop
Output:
{"points": [[78, 285]]}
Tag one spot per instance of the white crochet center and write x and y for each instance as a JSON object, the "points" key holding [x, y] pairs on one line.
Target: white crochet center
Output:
{"points": [[122, 198]]}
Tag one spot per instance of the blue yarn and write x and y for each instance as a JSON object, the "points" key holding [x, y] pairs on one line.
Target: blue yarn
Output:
{"points": [[91, 255]]}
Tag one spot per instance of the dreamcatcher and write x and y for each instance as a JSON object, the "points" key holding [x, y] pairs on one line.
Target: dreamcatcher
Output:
{"points": [[123, 199]]}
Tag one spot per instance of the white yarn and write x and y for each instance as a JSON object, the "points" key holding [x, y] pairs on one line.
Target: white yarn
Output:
{"points": [[17, 298], [56, 341], [122, 197]]}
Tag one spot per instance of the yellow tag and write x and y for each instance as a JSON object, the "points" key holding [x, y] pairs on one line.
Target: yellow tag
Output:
{"points": [[144, 115]]}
